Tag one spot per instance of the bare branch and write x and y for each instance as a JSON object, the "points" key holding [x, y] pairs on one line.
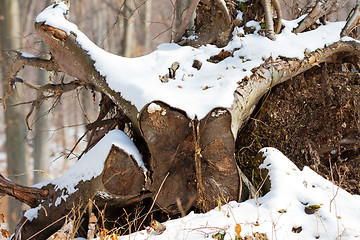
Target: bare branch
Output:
{"points": [[28, 195], [22, 61], [186, 20], [353, 20], [321, 9], [75, 61]]}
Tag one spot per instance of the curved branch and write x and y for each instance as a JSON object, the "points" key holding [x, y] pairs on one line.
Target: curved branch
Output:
{"points": [[275, 72], [73, 60], [353, 20], [277, 7], [29, 195], [22, 61], [321, 9]]}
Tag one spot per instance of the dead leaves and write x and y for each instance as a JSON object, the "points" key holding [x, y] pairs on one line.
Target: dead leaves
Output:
{"points": [[221, 56]]}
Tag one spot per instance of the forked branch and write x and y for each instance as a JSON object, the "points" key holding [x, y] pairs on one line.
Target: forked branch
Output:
{"points": [[320, 10], [353, 20], [20, 62]]}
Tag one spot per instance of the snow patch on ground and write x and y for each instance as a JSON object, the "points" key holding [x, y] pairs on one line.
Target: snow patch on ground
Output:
{"points": [[279, 213]]}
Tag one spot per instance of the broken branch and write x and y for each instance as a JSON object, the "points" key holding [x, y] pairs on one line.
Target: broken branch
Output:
{"points": [[28, 195], [321, 9], [20, 62], [352, 21]]}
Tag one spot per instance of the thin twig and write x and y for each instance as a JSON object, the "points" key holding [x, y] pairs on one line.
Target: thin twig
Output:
{"points": [[152, 205]]}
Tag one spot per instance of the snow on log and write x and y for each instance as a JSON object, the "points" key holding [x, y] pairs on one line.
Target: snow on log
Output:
{"points": [[194, 91], [111, 172]]}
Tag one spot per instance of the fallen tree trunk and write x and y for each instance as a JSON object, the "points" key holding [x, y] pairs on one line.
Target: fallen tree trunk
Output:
{"points": [[191, 161], [121, 183]]}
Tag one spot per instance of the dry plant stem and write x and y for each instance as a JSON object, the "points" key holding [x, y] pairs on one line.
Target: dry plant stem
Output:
{"points": [[320, 10], [277, 7], [55, 88], [353, 20], [28, 195], [186, 20], [200, 187], [152, 205], [269, 32], [35, 234]]}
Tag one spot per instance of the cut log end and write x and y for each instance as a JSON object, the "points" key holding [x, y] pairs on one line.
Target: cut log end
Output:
{"points": [[196, 156]]}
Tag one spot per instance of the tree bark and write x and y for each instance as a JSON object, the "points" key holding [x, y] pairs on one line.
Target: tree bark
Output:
{"points": [[147, 24], [275, 72], [121, 183], [213, 23], [321, 9], [195, 159], [129, 40], [68, 50], [354, 18]]}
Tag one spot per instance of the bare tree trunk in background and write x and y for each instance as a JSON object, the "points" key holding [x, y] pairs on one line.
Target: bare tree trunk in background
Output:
{"points": [[41, 133], [129, 41], [14, 116], [28, 11], [192, 21], [147, 22], [85, 96], [100, 25], [177, 18], [42, 125]]}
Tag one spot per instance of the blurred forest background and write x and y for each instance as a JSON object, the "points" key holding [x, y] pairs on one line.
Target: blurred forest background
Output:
{"points": [[44, 147]]}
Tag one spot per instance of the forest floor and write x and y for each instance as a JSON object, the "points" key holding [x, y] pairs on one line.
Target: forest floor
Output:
{"points": [[314, 119]]}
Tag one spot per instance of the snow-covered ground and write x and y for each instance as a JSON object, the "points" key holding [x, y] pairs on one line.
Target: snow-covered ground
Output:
{"points": [[287, 211], [300, 205]]}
